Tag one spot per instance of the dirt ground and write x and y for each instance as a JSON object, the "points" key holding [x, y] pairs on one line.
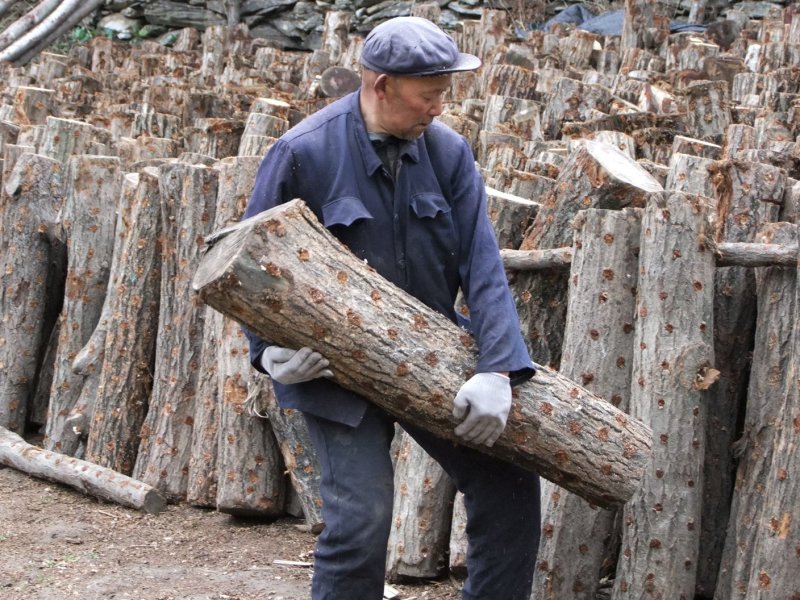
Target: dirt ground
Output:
{"points": [[56, 543]]}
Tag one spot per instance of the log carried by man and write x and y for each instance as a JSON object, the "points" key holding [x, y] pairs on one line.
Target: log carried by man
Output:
{"points": [[285, 277]]}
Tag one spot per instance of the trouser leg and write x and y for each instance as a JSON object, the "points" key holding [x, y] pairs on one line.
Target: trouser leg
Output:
{"points": [[503, 520], [357, 489]]}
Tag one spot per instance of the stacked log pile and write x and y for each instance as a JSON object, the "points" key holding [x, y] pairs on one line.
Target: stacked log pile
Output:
{"points": [[644, 189]]}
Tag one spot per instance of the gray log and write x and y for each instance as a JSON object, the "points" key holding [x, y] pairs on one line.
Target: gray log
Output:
{"points": [[83, 476], [270, 271], [772, 360], [31, 199], [121, 351], [596, 175], [188, 195], [598, 351], [672, 370], [92, 188], [748, 196], [774, 570], [422, 514]]}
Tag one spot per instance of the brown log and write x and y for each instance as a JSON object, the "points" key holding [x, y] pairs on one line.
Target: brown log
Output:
{"points": [[597, 175], [748, 197], [510, 216], [83, 476], [223, 368], [121, 351], [458, 538], [30, 200], [571, 100], [92, 188], [64, 137], [32, 105], [218, 138], [772, 358], [690, 174], [515, 116], [598, 351], [188, 194], [251, 480], [294, 443], [551, 419], [422, 514], [774, 570], [672, 370]]}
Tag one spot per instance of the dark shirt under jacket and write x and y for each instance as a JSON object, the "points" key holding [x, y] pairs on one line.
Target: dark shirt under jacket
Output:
{"points": [[424, 228]]}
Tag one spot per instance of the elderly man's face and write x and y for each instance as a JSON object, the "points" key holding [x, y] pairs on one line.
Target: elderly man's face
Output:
{"points": [[411, 103]]}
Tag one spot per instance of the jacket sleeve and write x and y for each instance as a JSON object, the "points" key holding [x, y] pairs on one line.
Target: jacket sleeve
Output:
{"points": [[493, 316], [274, 185]]}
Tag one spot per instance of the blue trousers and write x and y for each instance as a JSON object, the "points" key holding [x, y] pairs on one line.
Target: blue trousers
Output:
{"points": [[357, 488]]}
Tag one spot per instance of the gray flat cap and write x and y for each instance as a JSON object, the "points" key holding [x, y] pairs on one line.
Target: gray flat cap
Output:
{"points": [[413, 46]]}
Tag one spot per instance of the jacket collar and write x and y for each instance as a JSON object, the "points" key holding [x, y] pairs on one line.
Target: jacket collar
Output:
{"points": [[368, 155]]}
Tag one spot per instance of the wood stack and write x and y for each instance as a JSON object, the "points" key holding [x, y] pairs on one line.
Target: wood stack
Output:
{"points": [[684, 145]]}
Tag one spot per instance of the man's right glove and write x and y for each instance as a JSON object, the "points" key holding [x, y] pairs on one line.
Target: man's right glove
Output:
{"points": [[485, 401], [287, 366]]}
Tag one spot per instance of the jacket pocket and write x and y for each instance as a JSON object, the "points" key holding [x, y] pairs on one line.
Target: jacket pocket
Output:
{"points": [[344, 211], [429, 205]]}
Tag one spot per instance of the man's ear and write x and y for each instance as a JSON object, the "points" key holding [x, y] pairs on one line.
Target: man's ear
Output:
{"points": [[379, 87]]}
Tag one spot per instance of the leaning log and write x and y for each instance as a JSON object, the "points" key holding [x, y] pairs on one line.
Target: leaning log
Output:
{"points": [[289, 280], [79, 474], [672, 371]]}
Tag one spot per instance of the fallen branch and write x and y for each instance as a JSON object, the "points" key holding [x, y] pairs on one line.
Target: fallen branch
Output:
{"points": [[79, 474]]}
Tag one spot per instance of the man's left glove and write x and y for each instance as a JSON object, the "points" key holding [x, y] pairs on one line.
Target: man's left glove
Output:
{"points": [[487, 397], [288, 366]]}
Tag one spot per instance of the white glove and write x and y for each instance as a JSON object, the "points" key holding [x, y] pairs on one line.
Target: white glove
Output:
{"points": [[287, 366], [487, 396]]}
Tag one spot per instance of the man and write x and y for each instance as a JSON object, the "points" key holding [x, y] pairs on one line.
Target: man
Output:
{"points": [[402, 192]]}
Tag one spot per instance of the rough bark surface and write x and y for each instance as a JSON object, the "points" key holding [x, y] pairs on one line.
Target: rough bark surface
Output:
{"points": [[598, 351], [748, 197], [774, 569], [285, 277], [122, 348], [29, 205], [596, 175], [188, 194], [92, 190], [672, 369], [421, 517], [772, 360], [81, 475]]}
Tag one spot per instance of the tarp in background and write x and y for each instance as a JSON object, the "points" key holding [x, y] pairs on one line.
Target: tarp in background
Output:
{"points": [[607, 23]]}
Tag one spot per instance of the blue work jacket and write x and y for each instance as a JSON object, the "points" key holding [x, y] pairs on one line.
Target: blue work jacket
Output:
{"points": [[424, 228]]}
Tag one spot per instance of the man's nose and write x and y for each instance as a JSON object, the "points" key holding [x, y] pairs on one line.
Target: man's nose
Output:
{"points": [[437, 107]]}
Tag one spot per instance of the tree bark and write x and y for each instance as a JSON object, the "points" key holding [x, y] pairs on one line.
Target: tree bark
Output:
{"points": [[29, 205], [458, 538], [690, 174], [224, 367], [774, 570], [188, 195], [32, 18], [423, 497], [748, 197], [510, 216], [65, 16], [571, 100], [596, 175], [32, 105], [553, 427], [122, 347], [78, 474], [672, 369], [598, 351], [92, 187], [772, 362], [251, 480], [299, 458]]}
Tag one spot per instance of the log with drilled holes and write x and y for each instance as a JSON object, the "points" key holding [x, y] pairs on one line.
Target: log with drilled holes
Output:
{"points": [[289, 280]]}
